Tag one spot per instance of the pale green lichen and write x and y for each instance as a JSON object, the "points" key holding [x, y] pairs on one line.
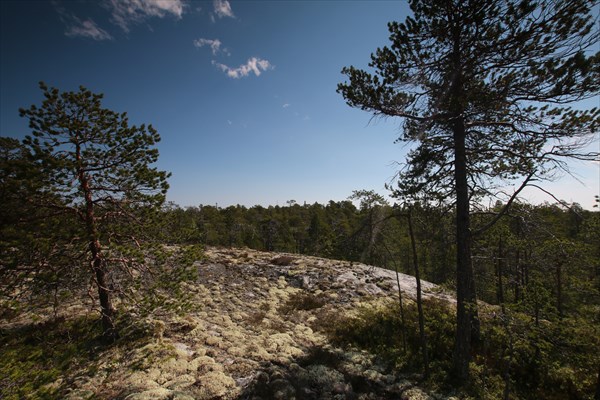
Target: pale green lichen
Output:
{"points": [[140, 381], [204, 364], [152, 394], [257, 352], [172, 368], [242, 327], [236, 351], [233, 334], [180, 382], [215, 385], [321, 376], [282, 344], [214, 341]]}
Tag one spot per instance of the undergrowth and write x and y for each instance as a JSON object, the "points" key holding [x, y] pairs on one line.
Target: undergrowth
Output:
{"points": [[553, 360], [34, 357], [37, 360], [302, 301]]}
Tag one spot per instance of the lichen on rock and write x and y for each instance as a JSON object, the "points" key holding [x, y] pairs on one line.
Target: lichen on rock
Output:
{"points": [[258, 331]]}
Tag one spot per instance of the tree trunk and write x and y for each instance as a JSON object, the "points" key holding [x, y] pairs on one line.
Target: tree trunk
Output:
{"points": [[401, 309], [99, 268], [597, 395], [526, 269], [106, 308], [559, 287], [500, 258], [467, 323], [508, 362], [467, 326], [518, 276], [419, 297], [374, 227], [402, 321], [499, 272]]}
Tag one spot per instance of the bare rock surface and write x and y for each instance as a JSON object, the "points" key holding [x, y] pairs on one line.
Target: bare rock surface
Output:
{"points": [[243, 341]]}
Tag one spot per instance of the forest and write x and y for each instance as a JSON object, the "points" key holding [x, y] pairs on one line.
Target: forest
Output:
{"points": [[489, 98], [551, 245], [539, 265]]}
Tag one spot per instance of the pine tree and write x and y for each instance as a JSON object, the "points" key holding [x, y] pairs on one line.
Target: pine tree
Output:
{"points": [[97, 170], [483, 88]]}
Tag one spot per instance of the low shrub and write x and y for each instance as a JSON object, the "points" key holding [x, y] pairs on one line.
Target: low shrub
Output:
{"points": [[34, 357], [555, 360]]}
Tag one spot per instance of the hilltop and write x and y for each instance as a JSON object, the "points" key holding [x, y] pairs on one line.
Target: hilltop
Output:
{"points": [[257, 330]]}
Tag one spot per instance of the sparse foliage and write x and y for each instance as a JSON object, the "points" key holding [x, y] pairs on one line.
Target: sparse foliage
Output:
{"points": [[483, 88], [96, 175]]}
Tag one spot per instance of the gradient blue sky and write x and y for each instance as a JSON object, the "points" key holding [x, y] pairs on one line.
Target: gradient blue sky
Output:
{"points": [[242, 92]]}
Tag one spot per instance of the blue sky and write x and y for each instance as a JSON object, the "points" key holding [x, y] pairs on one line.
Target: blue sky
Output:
{"points": [[242, 92]]}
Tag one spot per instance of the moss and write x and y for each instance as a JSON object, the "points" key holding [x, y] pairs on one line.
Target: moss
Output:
{"points": [[34, 358], [304, 301], [282, 260]]}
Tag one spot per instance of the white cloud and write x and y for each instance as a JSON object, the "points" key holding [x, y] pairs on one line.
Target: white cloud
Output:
{"points": [[286, 105], [87, 28], [128, 12], [214, 44], [75, 27], [254, 64], [223, 8]]}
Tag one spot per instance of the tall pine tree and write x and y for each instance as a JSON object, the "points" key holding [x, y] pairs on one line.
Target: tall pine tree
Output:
{"points": [[483, 88]]}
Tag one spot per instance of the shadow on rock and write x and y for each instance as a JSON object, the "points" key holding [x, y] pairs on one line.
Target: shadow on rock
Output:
{"points": [[326, 373]]}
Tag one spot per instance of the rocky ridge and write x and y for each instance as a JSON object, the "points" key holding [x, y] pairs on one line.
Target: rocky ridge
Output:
{"points": [[255, 335]]}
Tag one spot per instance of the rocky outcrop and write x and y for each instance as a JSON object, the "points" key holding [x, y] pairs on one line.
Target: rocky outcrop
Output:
{"points": [[254, 335]]}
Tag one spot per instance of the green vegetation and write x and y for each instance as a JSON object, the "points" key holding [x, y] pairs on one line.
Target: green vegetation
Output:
{"points": [[301, 301], [38, 359], [35, 358], [548, 361], [86, 170], [483, 89], [538, 265]]}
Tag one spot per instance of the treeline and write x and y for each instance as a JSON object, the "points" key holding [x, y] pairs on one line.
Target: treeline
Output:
{"points": [[548, 255], [335, 230], [537, 265]]}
